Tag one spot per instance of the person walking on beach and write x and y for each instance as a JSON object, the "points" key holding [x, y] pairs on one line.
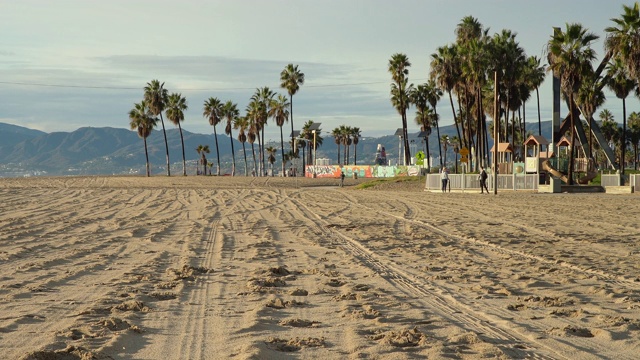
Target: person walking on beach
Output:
{"points": [[342, 179], [483, 180], [444, 176]]}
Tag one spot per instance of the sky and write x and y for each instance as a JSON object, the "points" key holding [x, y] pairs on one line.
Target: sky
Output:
{"points": [[75, 63]]}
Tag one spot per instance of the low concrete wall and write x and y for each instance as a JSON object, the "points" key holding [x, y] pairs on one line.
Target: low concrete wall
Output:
{"points": [[619, 189]]}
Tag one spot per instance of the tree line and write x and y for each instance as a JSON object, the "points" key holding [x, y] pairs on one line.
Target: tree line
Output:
{"points": [[465, 68]]}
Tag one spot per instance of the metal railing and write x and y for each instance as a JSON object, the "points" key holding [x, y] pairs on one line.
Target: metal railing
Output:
{"points": [[470, 182]]}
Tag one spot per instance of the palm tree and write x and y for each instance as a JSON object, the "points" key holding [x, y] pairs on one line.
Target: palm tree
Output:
{"points": [[590, 97], [399, 68], [213, 111], [445, 70], [337, 137], [202, 150], [271, 151], [251, 138], [264, 97], [155, 96], [144, 124], [242, 125], [623, 41], [291, 78], [634, 136], [535, 77], [230, 113], [280, 114], [618, 81], [570, 56], [176, 106], [433, 94], [355, 135]]}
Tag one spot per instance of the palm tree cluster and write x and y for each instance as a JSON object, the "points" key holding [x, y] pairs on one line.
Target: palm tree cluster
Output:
{"points": [[144, 117], [346, 136], [264, 104], [465, 69]]}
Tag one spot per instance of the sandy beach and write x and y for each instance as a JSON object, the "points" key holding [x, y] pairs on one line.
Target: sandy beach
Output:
{"points": [[278, 268]]}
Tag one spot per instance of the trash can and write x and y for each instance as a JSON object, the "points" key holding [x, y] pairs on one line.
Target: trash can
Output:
{"points": [[355, 175]]}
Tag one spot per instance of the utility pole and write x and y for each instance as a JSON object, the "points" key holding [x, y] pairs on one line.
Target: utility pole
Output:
{"points": [[496, 127]]}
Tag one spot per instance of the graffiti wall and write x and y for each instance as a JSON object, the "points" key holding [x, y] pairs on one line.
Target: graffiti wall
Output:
{"points": [[365, 171]]}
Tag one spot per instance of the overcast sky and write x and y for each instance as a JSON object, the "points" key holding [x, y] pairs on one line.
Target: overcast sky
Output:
{"points": [[67, 64]]}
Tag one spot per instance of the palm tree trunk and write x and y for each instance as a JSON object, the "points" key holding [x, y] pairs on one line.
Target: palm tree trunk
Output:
{"points": [[215, 136], [355, 154], [184, 162], [623, 144], [146, 155], [453, 110], [253, 151], [262, 149], [426, 140], [291, 113], [282, 148], [246, 167], [407, 153], [439, 141], [338, 153], [166, 144], [233, 154]]}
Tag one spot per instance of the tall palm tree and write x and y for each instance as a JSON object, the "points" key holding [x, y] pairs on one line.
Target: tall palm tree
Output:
{"points": [[280, 114], [155, 96], [445, 70], [399, 68], [337, 137], [264, 97], [535, 77], [144, 124], [291, 78], [213, 112], [255, 112], [570, 55], [355, 135], [252, 135], [230, 113], [242, 125], [618, 81], [623, 40], [433, 95], [176, 106], [589, 98]]}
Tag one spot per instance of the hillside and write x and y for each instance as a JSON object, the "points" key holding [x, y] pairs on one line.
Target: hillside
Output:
{"points": [[104, 151]]}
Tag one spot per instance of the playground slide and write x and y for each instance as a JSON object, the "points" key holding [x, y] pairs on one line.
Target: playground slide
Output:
{"points": [[546, 165]]}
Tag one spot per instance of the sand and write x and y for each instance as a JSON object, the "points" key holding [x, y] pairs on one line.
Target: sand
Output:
{"points": [[272, 268]]}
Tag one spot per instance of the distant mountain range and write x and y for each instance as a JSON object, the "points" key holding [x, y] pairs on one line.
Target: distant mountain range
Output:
{"points": [[115, 151]]}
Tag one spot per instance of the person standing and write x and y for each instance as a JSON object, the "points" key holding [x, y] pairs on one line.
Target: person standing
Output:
{"points": [[342, 178], [444, 176], [483, 180]]}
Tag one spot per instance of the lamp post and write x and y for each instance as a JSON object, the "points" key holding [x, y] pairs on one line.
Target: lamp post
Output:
{"points": [[315, 128]]}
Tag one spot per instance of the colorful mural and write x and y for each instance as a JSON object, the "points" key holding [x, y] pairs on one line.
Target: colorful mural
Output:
{"points": [[366, 171]]}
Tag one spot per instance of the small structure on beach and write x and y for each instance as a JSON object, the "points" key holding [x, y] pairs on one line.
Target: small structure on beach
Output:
{"points": [[504, 157]]}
